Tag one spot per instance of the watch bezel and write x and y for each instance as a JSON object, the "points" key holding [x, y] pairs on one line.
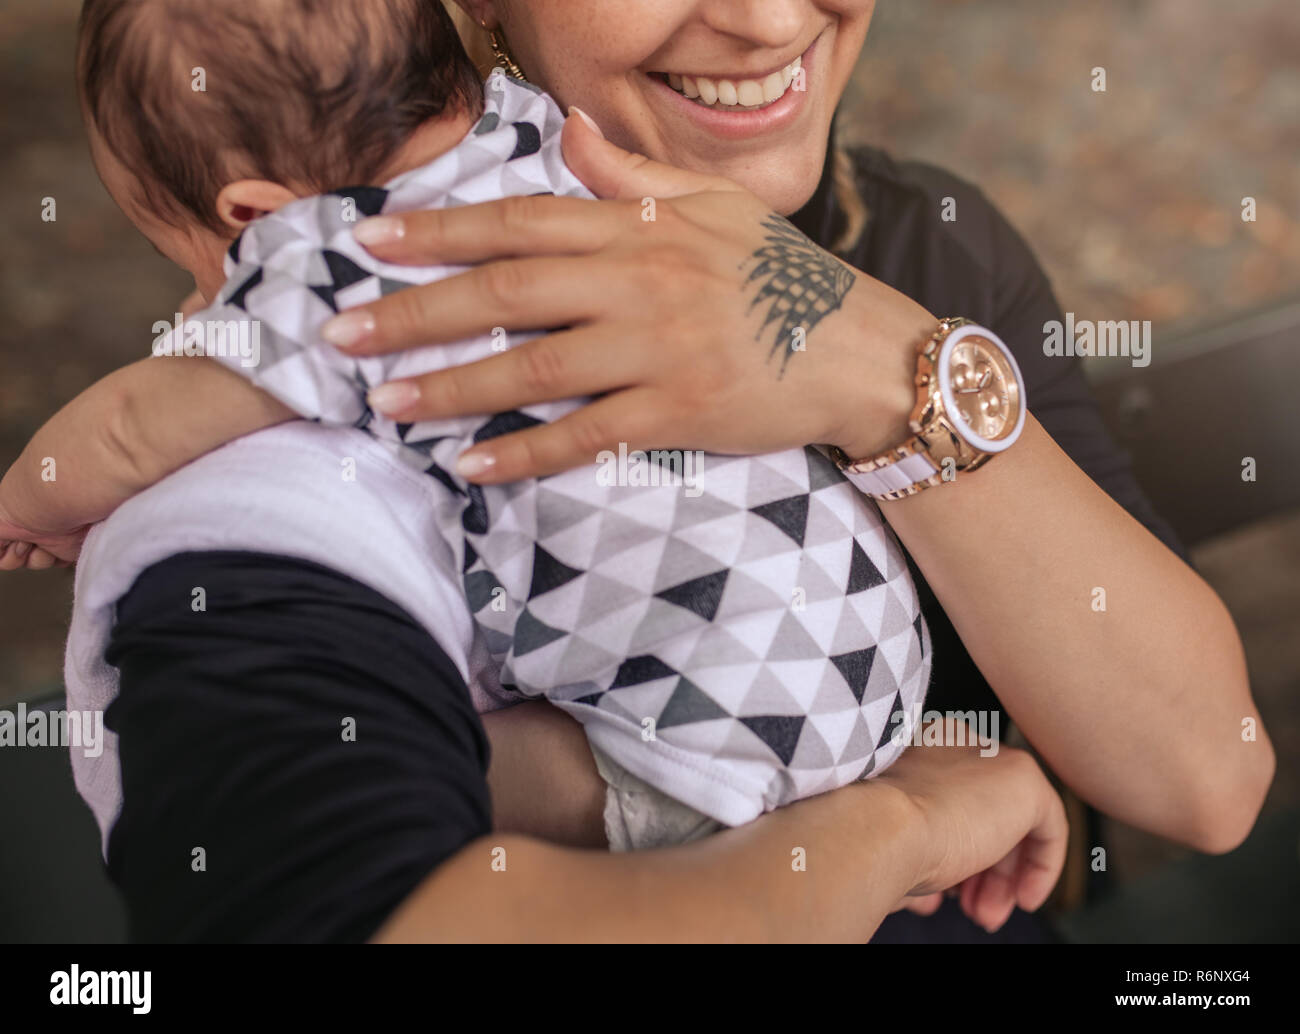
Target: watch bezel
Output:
{"points": [[951, 411]]}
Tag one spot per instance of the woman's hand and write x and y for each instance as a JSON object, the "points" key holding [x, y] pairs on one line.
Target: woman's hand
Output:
{"points": [[704, 321], [993, 827]]}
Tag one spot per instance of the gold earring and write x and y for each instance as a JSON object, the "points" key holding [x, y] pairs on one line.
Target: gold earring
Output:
{"points": [[501, 51]]}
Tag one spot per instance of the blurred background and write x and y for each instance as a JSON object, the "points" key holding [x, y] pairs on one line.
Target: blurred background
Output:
{"points": [[1132, 199]]}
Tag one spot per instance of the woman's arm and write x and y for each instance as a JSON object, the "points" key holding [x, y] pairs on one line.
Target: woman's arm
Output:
{"points": [[118, 437], [1125, 702], [943, 811], [828, 868], [1141, 707], [740, 885], [330, 789]]}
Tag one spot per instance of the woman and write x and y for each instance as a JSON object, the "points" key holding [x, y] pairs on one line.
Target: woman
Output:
{"points": [[1013, 555], [383, 831]]}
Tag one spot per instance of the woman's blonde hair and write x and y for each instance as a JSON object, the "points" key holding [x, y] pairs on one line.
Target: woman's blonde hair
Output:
{"points": [[844, 179]]}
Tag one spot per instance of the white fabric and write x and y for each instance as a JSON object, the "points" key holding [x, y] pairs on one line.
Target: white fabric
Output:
{"points": [[280, 492]]}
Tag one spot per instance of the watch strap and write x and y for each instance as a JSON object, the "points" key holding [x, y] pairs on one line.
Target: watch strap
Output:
{"points": [[901, 472]]}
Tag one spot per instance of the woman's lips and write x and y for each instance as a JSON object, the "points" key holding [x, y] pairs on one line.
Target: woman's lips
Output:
{"points": [[739, 122]]}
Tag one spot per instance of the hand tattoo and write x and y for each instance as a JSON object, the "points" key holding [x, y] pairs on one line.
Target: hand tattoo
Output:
{"points": [[804, 283]]}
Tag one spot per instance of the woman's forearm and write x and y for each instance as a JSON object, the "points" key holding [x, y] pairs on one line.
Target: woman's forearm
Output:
{"points": [[1138, 706], [829, 868], [825, 868]]}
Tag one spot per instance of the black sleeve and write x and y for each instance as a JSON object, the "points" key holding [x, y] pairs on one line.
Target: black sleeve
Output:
{"points": [[297, 753], [1058, 392]]}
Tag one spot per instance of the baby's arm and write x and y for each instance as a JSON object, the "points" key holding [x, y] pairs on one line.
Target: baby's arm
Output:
{"points": [[118, 437]]}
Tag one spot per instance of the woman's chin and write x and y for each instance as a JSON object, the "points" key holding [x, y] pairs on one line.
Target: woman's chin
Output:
{"points": [[783, 179]]}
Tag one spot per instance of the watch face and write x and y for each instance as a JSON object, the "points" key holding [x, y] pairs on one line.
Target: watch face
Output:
{"points": [[981, 387]]}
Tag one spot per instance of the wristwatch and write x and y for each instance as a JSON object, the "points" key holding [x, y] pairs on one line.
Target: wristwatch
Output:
{"points": [[970, 405]]}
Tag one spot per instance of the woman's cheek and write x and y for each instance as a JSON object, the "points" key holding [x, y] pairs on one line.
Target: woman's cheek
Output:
{"points": [[580, 51]]}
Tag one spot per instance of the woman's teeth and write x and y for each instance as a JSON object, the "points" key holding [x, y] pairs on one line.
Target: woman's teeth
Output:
{"points": [[736, 93]]}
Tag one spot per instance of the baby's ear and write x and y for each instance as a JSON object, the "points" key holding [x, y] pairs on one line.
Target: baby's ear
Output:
{"points": [[241, 202]]}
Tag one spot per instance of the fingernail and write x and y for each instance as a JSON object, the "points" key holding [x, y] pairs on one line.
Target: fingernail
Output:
{"points": [[393, 398], [349, 330], [472, 464], [591, 122], [382, 229], [22, 549]]}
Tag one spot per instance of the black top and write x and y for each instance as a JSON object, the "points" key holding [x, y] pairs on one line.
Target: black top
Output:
{"points": [[303, 733], [235, 725], [979, 267]]}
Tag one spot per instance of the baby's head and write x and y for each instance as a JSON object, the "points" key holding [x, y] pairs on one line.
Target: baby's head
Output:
{"points": [[205, 114]]}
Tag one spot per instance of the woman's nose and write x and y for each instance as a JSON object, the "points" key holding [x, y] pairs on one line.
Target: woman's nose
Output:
{"points": [[767, 23]]}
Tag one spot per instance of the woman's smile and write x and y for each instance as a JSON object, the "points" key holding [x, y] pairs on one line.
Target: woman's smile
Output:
{"points": [[737, 105], [732, 88]]}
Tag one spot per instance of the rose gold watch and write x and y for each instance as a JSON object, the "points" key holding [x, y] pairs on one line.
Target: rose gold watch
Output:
{"points": [[970, 406]]}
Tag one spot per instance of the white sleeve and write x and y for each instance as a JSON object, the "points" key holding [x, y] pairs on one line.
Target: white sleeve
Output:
{"points": [[282, 492]]}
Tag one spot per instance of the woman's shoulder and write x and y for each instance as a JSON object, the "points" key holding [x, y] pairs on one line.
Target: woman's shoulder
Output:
{"points": [[938, 238], [882, 176]]}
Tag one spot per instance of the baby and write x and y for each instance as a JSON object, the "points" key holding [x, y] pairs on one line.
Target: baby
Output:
{"points": [[730, 644]]}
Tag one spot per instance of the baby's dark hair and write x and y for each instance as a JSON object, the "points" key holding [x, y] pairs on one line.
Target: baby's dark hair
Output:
{"points": [[316, 93]]}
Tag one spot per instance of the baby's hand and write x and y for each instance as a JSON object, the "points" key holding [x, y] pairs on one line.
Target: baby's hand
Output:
{"points": [[23, 549]]}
